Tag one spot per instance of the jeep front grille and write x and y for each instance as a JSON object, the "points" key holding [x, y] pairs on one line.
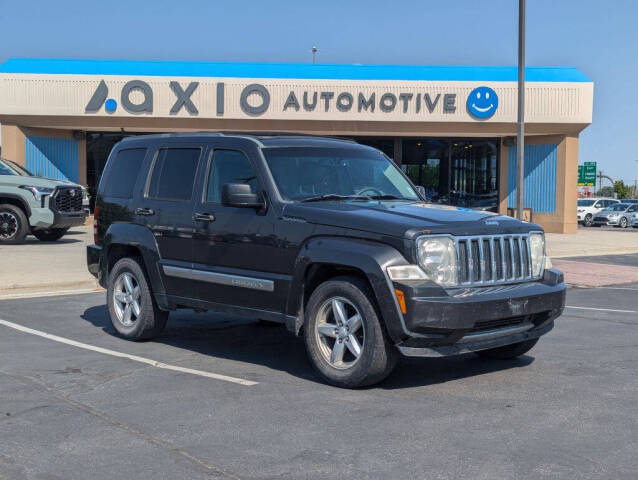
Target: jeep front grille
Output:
{"points": [[67, 200], [493, 259]]}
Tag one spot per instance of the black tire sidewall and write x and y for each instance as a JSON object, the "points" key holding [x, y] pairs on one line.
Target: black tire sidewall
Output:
{"points": [[151, 320], [620, 223], [23, 224], [377, 358]]}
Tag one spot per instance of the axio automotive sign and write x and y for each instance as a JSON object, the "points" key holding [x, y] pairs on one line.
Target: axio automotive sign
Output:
{"points": [[255, 99]]}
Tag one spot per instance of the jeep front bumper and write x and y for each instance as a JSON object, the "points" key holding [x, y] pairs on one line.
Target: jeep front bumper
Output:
{"points": [[448, 322]]}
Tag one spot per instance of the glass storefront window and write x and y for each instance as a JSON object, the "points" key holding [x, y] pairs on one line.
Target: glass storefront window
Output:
{"points": [[454, 172]]}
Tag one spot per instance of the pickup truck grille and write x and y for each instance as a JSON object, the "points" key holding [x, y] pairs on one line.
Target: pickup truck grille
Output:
{"points": [[493, 259], [67, 200]]}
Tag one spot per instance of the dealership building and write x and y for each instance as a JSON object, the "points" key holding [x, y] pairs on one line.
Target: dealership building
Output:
{"points": [[452, 129]]}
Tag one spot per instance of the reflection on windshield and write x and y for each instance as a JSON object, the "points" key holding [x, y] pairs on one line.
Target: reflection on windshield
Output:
{"points": [[6, 170], [330, 173], [585, 203], [618, 207]]}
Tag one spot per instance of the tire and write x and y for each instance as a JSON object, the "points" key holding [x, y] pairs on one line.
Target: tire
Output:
{"points": [[51, 235], [150, 320], [623, 222], [588, 220], [509, 351], [14, 225], [377, 357]]}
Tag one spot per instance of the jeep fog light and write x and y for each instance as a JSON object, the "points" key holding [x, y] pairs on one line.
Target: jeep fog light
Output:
{"points": [[437, 258], [537, 251], [406, 272]]}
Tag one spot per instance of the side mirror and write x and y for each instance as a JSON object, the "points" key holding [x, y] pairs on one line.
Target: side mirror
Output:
{"points": [[421, 190], [240, 195]]}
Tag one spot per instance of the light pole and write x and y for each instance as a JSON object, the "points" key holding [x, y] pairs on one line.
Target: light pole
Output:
{"points": [[520, 135], [314, 52]]}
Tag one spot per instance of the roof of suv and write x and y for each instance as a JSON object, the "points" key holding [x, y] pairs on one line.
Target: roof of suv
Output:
{"points": [[264, 140]]}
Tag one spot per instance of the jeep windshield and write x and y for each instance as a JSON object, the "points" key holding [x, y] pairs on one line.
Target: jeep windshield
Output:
{"points": [[318, 174]]}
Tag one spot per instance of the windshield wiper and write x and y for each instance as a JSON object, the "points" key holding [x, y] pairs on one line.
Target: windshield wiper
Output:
{"points": [[334, 196], [388, 196]]}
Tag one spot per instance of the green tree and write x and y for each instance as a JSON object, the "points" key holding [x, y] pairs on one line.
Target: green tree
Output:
{"points": [[621, 189], [605, 192]]}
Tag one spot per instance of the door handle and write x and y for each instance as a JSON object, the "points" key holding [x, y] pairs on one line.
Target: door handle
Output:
{"points": [[203, 217], [144, 211]]}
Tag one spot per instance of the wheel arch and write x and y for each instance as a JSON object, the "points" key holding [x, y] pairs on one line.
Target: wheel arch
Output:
{"points": [[17, 201], [131, 240], [322, 258]]}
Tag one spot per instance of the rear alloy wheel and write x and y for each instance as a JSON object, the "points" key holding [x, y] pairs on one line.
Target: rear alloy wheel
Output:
{"points": [[50, 235], [132, 308], [13, 224], [588, 220], [623, 222], [345, 340]]}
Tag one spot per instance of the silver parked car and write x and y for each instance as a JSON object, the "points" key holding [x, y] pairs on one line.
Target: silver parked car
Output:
{"points": [[619, 215]]}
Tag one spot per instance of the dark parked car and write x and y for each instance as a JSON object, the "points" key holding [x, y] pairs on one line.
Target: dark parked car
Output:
{"points": [[326, 236]]}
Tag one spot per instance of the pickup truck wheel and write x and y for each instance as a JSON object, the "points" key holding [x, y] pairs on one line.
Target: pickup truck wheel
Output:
{"points": [[132, 308], [588, 220], [14, 225], [345, 340], [50, 235], [509, 351]]}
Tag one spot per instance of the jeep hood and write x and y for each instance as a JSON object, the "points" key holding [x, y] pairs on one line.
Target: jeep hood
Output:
{"points": [[404, 219]]}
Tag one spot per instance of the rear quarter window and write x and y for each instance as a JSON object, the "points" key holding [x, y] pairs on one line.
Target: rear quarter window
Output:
{"points": [[122, 173]]}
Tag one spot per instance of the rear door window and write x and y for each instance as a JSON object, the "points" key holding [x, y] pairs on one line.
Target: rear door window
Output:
{"points": [[123, 171], [173, 174]]}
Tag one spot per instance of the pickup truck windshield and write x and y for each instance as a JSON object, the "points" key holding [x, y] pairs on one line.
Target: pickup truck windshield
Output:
{"points": [[10, 168], [336, 173], [6, 170]]}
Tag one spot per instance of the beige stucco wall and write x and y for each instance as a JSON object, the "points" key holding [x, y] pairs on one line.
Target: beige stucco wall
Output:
{"points": [[564, 219]]}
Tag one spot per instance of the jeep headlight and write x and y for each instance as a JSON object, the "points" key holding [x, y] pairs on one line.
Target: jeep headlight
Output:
{"points": [[437, 258], [38, 192], [537, 252]]}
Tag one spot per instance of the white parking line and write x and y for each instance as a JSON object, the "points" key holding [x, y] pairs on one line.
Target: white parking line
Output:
{"points": [[602, 309], [134, 358], [49, 293]]}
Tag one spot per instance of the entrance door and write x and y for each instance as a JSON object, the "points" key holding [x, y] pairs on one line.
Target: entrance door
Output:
{"points": [[473, 174]]}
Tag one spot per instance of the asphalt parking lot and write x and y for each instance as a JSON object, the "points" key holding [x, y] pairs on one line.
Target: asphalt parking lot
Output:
{"points": [[67, 412]]}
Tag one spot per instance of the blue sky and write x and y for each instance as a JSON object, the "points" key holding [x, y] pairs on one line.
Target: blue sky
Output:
{"points": [[600, 38]]}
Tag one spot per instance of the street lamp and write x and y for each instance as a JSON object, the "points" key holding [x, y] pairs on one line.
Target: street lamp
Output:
{"points": [[520, 134]]}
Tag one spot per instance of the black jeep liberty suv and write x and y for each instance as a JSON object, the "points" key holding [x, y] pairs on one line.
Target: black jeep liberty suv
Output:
{"points": [[326, 236]]}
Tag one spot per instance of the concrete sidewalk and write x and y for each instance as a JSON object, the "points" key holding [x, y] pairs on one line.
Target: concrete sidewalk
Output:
{"points": [[37, 266], [592, 242]]}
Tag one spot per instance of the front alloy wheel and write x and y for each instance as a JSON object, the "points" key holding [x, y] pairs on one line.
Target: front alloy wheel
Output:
{"points": [[623, 222], [8, 225], [345, 339], [588, 220], [340, 333], [126, 299]]}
